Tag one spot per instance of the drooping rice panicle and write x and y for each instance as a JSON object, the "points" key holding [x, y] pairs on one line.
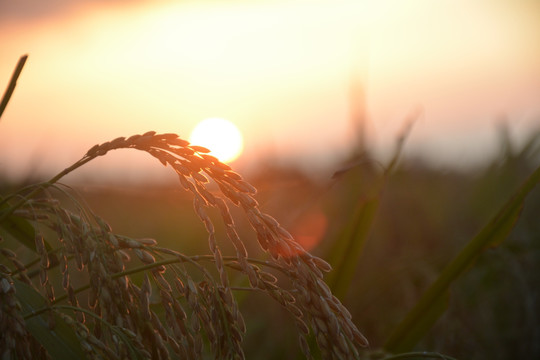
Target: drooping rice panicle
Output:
{"points": [[190, 307]]}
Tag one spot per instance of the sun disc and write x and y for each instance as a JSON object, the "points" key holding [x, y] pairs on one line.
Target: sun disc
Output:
{"points": [[220, 136]]}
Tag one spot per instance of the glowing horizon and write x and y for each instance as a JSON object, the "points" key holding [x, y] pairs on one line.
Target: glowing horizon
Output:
{"points": [[281, 70]]}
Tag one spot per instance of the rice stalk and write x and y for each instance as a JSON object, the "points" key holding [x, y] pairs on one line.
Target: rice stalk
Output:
{"points": [[199, 314]]}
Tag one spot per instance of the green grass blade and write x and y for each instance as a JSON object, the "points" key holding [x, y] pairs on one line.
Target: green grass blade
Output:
{"points": [[18, 228], [22, 231], [419, 355], [414, 326], [61, 342], [348, 248]]}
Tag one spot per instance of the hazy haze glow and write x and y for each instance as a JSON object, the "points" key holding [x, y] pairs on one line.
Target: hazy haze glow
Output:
{"points": [[282, 70]]}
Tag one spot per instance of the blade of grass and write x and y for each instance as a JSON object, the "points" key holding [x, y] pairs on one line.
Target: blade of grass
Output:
{"points": [[347, 249], [22, 231], [18, 228], [12, 83], [61, 342], [419, 355], [414, 326]]}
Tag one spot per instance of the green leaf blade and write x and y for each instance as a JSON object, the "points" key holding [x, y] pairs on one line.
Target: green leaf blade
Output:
{"points": [[414, 327], [19, 229], [348, 247], [61, 342]]}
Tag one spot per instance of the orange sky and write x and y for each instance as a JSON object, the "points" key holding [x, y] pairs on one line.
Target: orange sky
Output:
{"points": [[281, 70]]}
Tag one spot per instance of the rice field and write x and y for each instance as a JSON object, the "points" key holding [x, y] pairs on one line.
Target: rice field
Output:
{"points": [[394, 260]]}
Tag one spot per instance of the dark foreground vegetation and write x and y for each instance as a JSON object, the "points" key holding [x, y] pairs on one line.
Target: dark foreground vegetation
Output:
{"points": [[425, 217]]}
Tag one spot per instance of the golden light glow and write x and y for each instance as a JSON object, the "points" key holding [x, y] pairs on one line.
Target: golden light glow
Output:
{"points": [[310, 228], [221, 136]]}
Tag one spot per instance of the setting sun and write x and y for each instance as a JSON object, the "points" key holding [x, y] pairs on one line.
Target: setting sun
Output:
{"points": [[221, 136]]}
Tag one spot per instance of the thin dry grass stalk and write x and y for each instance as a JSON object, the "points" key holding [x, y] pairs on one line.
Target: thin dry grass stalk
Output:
{"points": [[119, 319]]}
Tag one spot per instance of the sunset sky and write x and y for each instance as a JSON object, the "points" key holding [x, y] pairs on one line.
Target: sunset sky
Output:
{"points": [[282, 71]]}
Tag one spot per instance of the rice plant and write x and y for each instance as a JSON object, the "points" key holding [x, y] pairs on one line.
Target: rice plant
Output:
{"points": [[200, 315], [71, 287]]}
